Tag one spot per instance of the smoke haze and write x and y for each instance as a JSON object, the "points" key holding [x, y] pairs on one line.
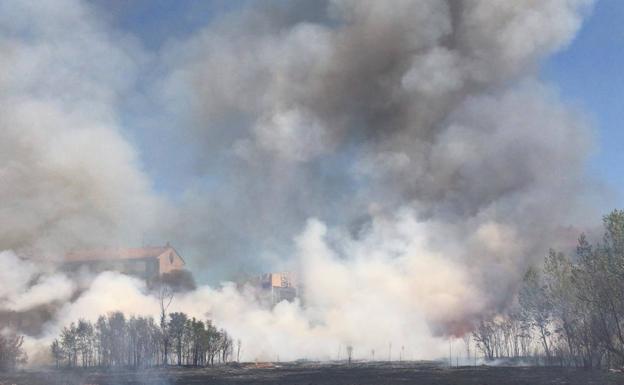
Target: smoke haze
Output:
{"points": [[404, 157]]}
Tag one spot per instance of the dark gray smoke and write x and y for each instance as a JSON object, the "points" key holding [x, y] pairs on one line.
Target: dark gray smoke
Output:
{"points": [[403, 155], [358, 109]]}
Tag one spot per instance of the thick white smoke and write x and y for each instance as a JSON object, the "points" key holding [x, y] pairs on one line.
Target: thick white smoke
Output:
{"points": [[25, 285], [396, 301], [402, 156], [362, 111], [68, 176]]}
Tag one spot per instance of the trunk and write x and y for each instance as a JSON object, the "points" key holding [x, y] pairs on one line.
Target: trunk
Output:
{"points": [[545, 342], [165, 355], [179, 352]]}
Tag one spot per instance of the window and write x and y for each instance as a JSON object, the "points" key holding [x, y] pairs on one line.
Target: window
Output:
{"points": [[171, 258]]}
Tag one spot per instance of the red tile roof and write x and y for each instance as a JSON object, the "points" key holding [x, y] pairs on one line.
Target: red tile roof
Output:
{"points": [[118, 253]]}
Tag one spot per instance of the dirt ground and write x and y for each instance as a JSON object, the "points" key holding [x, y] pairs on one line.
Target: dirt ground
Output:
{"points": [[322, 374]]}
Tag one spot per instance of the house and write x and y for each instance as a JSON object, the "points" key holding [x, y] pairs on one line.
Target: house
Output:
{"points": [[148, 263], [279, 287]]}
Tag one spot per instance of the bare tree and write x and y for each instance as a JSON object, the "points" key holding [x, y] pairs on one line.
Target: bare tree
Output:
{"points": [[466, 338], [570, 310], [537, 307], [165, 297]]}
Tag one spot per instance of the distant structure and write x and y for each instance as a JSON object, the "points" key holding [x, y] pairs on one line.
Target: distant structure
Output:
{"points": [[148, 263], [278, 287]]}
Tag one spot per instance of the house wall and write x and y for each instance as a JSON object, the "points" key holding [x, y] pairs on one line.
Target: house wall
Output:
{"points": [[284, 279], [146, 268], [170, 261]]}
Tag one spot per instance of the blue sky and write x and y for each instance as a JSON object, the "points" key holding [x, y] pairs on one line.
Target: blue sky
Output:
{"points": [[157, 21], [589, 73]]}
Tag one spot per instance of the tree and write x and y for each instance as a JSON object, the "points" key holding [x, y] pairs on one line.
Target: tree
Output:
{"points": [[213, 338], [84, 341], [239, 344], [225, 345], [483, 336], [11, 352], [118, 338], [537, 306], [69, 344], [57, 352], [563, 296], [115, 341], [176, 327], [165, 297]]}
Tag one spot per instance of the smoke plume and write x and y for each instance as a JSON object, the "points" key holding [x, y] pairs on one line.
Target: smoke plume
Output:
{"points": [[403, 157]]}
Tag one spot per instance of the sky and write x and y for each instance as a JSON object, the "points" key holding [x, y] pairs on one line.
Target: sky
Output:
{"points": [[589, 73], [159, 21], [403, 157], [229, 145]]}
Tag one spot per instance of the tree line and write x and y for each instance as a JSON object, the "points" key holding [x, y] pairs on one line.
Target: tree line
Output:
{"points": [[115, 340], [570, 308]]}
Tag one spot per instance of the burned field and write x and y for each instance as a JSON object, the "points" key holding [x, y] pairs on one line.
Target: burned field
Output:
{"points": [[321, 374]]}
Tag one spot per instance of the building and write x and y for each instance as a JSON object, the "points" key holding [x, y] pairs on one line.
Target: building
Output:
{"points": [[279, 287], [148, 263]]}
